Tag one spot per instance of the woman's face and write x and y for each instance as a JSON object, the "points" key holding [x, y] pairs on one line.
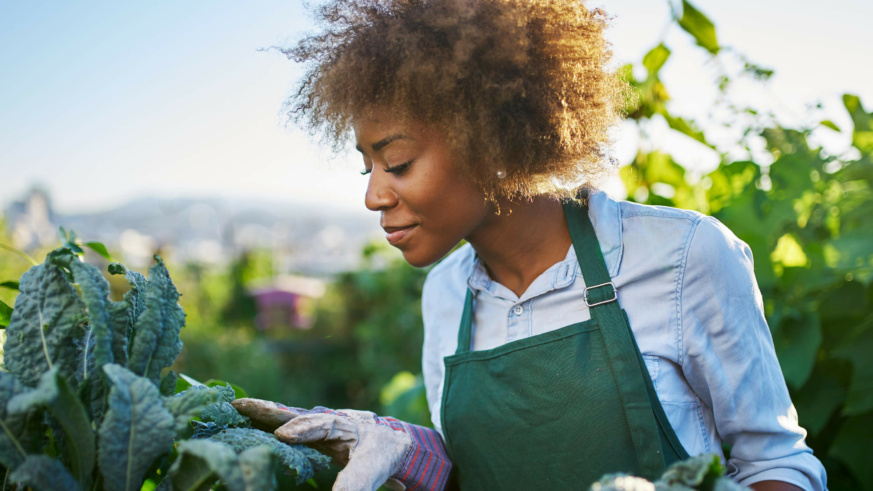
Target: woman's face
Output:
{"points": [[427, 206]]}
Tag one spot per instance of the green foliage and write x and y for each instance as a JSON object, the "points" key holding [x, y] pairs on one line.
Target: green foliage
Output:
{"points": [[156, 342], [43, 473], [5, 314], [209, 404], [136, 431], [808, 218], [54, 395], [48, 319], [21, 432], [84, 404], [293, 459], [703, 473], [698, 25], [202, 462]]}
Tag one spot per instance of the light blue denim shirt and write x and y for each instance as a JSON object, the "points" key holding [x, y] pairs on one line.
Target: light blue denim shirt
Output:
{"points": [[689, 289]]}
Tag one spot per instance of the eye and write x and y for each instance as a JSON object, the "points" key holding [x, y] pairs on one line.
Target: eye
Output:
{"points": [[399, 169], [366, 171]]}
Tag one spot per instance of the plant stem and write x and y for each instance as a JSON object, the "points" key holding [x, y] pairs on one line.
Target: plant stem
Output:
{"points": [[16, 251]]}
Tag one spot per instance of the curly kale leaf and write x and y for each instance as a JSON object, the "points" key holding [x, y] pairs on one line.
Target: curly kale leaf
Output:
{"points": [[156, 342], [222, 413], [95, 293], [55, 395], [46, 326], [43, 473], [205, 430], [292, 458], [20, 434], [106, 339], [209, 404], [136, 430], [168, 383], [135, 301], [202, 462], [702, 473]]}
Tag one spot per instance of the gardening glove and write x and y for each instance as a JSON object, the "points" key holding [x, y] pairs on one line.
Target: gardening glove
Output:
{"points": [[374, 450]]}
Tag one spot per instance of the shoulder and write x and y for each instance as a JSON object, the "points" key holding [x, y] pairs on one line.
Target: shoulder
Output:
{"points": [[699, 236], [629, 209]]}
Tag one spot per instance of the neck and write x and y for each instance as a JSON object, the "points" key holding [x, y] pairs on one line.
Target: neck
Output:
{"points": [[524, 240]]}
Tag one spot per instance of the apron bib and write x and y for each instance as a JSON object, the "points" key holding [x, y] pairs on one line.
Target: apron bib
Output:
{"points": [[559, 409]]}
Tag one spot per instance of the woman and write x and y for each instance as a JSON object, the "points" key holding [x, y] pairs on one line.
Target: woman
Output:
{"points": [[572, 335]]}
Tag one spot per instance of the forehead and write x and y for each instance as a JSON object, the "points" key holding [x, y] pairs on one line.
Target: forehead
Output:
{"points": [[384, 127]]}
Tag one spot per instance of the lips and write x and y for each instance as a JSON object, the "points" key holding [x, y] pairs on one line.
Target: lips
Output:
{"points": [[396, 234]]}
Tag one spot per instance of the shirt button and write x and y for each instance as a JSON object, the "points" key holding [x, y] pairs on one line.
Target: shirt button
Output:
{"points": [[518, 309]]}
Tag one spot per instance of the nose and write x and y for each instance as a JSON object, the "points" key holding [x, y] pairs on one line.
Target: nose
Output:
{"points": [[380, 195]]}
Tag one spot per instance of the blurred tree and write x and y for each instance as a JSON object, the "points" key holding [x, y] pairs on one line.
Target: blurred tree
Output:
{"points": [[808, 218]]}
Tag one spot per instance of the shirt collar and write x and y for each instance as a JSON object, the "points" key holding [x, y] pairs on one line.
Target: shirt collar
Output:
{"points": [[605, 215]]}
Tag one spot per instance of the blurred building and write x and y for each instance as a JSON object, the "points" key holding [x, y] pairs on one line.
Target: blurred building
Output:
{"points": [[286, 301], [31, 221]]}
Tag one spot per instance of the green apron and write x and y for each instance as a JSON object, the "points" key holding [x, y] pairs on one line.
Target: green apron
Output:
{"points": [[559, 409]]}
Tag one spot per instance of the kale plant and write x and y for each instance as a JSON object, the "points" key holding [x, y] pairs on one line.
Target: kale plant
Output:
{"points": [[701, 473], [87, 401]]}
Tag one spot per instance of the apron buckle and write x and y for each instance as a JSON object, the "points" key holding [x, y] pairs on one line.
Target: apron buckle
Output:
{"points": [[614, 294]]}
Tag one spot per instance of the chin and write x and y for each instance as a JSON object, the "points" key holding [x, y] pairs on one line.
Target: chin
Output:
{"points": [[419, 260], [423, 257]]}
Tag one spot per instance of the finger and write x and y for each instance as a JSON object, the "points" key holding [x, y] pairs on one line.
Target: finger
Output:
{"points": [[316, 427], [265, 415]]}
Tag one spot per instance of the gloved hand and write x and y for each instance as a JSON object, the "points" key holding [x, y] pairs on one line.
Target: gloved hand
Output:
{"points": [[373, 449]]}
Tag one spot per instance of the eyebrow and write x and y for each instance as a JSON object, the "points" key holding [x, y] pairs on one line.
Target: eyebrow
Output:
{"points": [[379, 145]]}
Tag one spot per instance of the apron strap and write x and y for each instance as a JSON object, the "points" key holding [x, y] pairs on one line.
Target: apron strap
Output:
{"points": [[466, 329], [602, 299]]}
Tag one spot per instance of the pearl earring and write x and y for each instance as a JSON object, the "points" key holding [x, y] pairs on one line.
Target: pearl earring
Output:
{"points": [[501, 174]]}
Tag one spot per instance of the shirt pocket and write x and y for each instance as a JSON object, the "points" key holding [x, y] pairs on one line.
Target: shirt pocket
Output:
{"points": [[680, 403], [668, 380]]}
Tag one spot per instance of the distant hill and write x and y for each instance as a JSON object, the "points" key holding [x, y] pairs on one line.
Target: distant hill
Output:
{"points": [[309, 238]]}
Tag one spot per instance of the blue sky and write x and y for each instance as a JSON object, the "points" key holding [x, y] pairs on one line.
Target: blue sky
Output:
{"points": [[103, 101]]}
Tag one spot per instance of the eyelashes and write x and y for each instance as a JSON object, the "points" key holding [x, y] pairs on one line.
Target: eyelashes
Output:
{"points": [[396, 170], [399, 169]]}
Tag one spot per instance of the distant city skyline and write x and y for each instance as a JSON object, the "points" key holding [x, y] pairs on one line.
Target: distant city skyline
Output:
{"points": [[103, 102]]}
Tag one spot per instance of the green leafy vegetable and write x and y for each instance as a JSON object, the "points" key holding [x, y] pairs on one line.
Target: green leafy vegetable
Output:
{"points": [[54, 394], [168, 383], [95, 293], [193, 402], [47, 322], [66, 333], [136, 430], [704, 473], [20, 433], [70, 241], [156, 342], [201, 463], [43, 473], [299, 459]]}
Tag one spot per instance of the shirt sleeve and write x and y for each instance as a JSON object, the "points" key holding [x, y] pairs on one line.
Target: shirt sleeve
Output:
{"points": [[729, 360]]}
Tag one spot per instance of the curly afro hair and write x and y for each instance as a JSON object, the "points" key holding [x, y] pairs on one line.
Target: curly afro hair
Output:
{"points": [[520, 88]]}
